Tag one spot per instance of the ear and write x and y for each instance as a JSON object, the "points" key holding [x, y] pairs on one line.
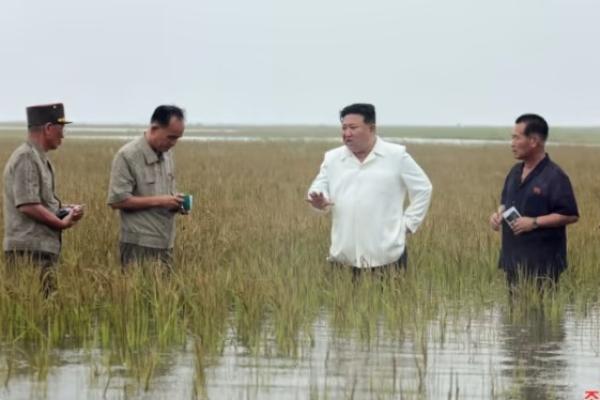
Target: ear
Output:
{"points": [[535, 140], [46, 128]]}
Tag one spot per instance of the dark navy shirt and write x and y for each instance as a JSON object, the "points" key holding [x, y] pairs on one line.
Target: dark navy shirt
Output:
{"points": [[546, 190]]}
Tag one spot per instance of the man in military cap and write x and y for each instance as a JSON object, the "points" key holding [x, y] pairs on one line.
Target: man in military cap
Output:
{"points": [[33, 214], [142, 188]]}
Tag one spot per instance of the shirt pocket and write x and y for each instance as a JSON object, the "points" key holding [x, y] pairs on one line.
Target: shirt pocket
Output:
{"points": [[149, 180], [537, 201], [46, 189]]}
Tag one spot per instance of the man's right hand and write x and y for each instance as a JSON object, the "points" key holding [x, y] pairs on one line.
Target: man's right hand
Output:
{"points": [[318, 200], [69, 221], [171, 202], [134, 203], [40, 213], [496, 219]]}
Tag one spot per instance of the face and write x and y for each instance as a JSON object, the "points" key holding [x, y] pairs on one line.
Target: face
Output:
{"points": [[523, 146], [357, 135], [164, 138], [53, 135]]}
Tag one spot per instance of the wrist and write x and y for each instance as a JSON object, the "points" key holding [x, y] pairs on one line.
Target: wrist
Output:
{"points": [[535, 223], [63, 225]]}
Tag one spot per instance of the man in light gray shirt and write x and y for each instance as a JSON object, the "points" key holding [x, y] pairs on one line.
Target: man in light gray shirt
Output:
{"points": [[142, 188]]}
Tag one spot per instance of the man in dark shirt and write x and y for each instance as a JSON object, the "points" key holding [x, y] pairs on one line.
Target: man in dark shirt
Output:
{"points": [[535, 244]]}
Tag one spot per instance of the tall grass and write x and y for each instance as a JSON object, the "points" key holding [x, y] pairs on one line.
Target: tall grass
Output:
{"points": [[250, 259]]}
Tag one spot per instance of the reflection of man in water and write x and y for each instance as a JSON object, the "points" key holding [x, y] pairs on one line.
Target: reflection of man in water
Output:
{"points": [[533, 343], [535, 245]]}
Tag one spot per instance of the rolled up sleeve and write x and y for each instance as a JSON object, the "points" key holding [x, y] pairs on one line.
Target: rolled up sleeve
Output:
{"points": [[26, 181], [122, 181]]}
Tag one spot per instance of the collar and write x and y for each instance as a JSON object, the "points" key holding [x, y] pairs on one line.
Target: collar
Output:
{"points": [[38, 149], [536, 171], [150, 155], [379, 149]]}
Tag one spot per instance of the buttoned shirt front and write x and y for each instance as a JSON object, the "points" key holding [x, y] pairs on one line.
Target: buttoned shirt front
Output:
{"points": [[137, 170], [546, 190], [29, 179], [369, 222]]}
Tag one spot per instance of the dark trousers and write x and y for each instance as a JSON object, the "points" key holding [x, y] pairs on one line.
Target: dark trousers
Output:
{"points": [[136, 254], [41, 259], [399, 265], [542, 280]]}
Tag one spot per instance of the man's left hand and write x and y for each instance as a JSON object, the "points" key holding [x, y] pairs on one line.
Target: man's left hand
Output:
{"points": [[78, 211], [523, 225]]}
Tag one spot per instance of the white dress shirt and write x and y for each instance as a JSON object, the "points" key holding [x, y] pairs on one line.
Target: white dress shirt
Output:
{"points": [[369, 221]]}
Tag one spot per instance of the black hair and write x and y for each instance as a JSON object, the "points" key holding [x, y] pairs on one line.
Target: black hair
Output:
{"points": [[162, 115], [364, 109], [534, 125]]}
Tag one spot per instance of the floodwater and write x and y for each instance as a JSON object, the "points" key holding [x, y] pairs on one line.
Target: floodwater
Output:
{"points": [[498, 355]]}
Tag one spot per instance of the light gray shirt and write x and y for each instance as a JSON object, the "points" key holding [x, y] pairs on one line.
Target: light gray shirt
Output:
{"points": [[29, 179], [137, 170]]}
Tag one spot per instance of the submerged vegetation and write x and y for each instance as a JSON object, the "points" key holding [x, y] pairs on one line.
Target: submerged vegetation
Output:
{"points": [[251, 270]]}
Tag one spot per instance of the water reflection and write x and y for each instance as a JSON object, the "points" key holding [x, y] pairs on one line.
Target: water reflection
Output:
{"points": [[533, 340], [518, 352]]}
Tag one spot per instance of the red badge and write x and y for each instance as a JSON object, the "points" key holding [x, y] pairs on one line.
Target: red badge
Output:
{"points": [[537, 190]]}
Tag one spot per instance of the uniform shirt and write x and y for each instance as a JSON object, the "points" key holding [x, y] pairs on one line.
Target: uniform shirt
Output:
{"points": [[368, 219], [546, 190], [137, 170], [29, 179]]}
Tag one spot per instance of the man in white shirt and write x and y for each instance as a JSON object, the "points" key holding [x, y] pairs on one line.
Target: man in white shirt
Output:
{"points": [[364, 184]]}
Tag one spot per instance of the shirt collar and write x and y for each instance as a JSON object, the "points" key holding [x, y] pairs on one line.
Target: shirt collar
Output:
{"points": [[539, 165], [536, 171], [378, 149], [38, 149], [150, 155]]}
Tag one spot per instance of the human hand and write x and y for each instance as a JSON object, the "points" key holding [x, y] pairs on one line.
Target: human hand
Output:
{"points": [[496, 219], [78, 211], [318, 200], [69, 220], [171, 202], [523, 225]]}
